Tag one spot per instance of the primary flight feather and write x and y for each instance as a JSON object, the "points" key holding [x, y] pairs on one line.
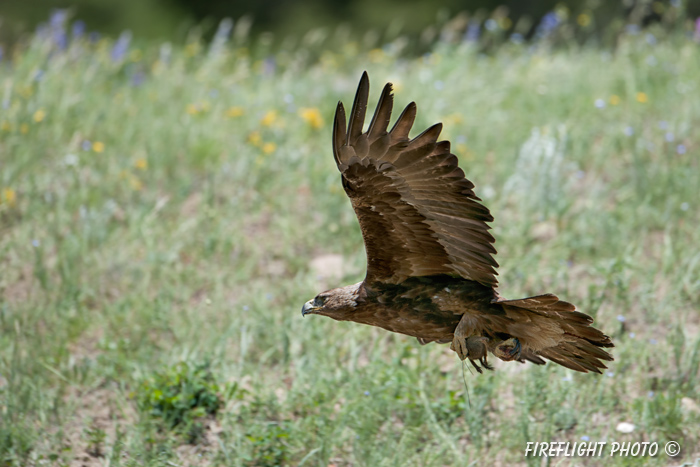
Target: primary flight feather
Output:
{"points": [[430, 267]]}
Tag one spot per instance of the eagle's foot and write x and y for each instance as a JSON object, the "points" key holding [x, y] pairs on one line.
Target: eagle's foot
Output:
{"points": [[508, 350], [473, 347]]}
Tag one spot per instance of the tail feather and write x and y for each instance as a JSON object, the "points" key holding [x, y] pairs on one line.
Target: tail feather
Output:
{"points": [[564, 336]]}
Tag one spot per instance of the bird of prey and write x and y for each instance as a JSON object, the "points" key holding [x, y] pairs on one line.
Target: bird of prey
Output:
{"points": [[430, 267]]}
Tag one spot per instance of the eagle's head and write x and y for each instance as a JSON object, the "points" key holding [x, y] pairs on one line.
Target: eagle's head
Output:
{"points": [[335, 303]]}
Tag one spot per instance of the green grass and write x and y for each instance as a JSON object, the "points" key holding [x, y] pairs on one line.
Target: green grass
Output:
{"points": [[185, 230]]}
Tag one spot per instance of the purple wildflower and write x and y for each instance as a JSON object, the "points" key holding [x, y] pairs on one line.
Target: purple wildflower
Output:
{"points": [[78, 29], [548, 24], [57, 26], [121, 47], [473, 31]]}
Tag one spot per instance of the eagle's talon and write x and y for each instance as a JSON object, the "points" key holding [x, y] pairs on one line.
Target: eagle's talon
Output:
{"points": [[508, 350]]}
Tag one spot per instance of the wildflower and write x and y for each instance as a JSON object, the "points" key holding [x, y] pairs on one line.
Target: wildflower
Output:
{"points": [[86, 145], [650, 394], [141, 163], [609, 374], [254, 138], [600, 103], [663, 124], [233, 112], [35, 243], [192, 49], [629, 131], [583, 20], [98, 146], [669, 137], [491, 24], [121, 47], [642, 98], [269, 148], [376, 55], [680, 149], [136, 55], [9, 197], [5, 126], [135, 183], [78, 29], [366, 393], [473, 31], [312, 116], [192, 109], [505, 22], [24, 128], [517, 38], [39, 115], [549, 23], [684, 206], [614, 99], [621, 318], [269, 118], [585, 438]]}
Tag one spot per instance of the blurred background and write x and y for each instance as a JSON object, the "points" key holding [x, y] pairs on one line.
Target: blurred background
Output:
{"points": [[372, 20]]}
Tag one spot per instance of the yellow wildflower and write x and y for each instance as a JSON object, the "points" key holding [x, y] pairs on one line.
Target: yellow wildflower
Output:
{"points": [[9, 196], [141, 163], [5, 126], [583, 20], [642, 98], [135, 183], [268, 148], [233, 112], [269, 118], [505, 23], [136, 55], [614, 99], [98, 146], [312, 116], [376, 55], [254, 138], [192, 109], [192, 49], [39, 115], [24, 128]]}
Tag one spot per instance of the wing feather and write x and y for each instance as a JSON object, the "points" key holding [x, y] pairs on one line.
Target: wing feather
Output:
{"points": [[417, 212]]}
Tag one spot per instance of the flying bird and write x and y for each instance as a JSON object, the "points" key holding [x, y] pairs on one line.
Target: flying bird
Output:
{"points": [[430, 267]]}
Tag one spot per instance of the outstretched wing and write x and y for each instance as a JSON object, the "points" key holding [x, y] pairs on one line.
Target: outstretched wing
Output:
{"points": [[417, 212]]}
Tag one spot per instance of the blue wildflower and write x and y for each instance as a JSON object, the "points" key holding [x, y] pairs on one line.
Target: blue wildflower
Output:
{"points": [[680, 149], [491, 24], [629, 131], [669, 137], [86, 145]]}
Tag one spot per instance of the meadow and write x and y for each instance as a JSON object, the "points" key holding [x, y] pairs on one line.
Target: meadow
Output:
{"points": [[166, 210]]}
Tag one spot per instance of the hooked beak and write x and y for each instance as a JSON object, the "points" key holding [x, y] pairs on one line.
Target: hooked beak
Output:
{"points": [[308, 308]]}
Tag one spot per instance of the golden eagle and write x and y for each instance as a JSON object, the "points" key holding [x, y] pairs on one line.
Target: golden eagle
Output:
{"points": [[430, 266]]}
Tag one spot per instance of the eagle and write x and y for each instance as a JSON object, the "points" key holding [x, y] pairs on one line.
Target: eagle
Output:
{"points": [[430, 267]]}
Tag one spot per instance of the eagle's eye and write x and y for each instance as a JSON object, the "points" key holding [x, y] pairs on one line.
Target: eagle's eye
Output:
{"points": [[319, 301]]}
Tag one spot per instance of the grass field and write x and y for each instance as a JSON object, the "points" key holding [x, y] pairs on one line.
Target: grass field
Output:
{"points": [[165, 212]]}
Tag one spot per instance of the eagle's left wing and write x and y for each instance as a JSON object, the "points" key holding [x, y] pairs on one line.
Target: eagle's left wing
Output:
{"points": [[417, 211]]}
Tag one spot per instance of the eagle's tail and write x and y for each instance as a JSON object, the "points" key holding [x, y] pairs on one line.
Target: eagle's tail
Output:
{"points": [[553, 329]]}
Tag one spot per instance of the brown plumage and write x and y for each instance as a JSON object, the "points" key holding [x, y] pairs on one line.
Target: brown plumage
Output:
{"points": [[430, 269]]}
